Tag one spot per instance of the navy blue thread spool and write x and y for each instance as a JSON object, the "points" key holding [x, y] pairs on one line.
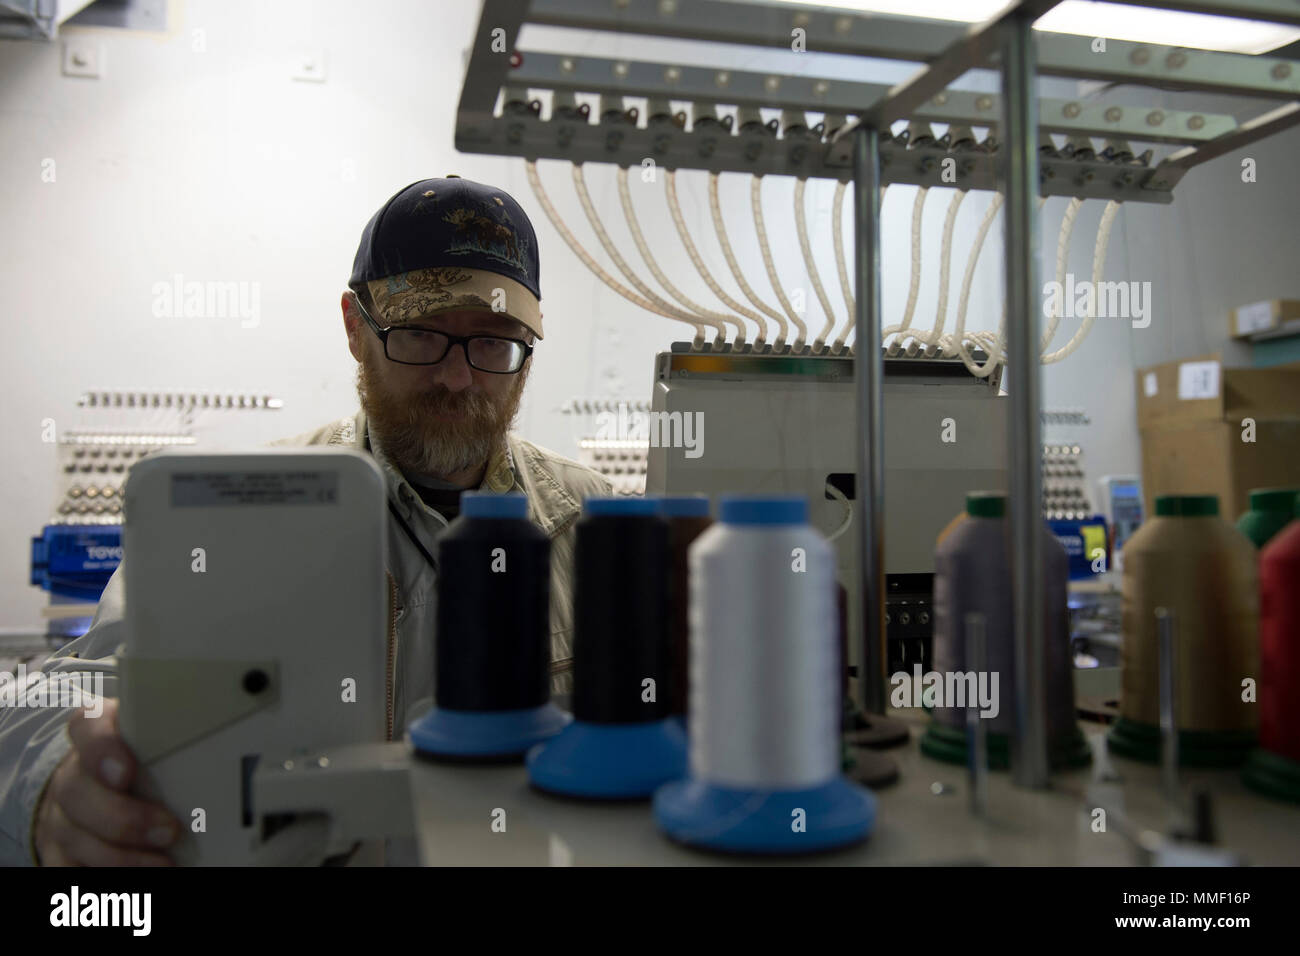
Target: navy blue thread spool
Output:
{"points": [[492, 653], [621, 744]]}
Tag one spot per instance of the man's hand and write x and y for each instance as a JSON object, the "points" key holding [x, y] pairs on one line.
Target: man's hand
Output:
{"points": [[87, 816]]}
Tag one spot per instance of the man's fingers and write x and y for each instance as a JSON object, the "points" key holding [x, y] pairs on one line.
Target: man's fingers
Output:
{"points": [[74, 846], [101, 748], [110, 816]]}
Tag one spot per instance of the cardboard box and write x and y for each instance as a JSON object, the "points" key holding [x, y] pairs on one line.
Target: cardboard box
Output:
{"points": [[1195, 417], [1264, 320]]}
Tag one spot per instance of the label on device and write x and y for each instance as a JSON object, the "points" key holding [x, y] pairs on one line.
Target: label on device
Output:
{"points": [[207, 489]]}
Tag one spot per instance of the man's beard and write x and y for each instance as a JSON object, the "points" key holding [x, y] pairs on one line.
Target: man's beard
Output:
{"points": [[417, 442]]}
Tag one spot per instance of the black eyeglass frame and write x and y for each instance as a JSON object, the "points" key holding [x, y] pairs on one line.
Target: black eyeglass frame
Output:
{"points": [[452, 341]]}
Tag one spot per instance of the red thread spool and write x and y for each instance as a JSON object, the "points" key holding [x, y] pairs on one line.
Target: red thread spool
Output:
{"points": [[1279, 644]]}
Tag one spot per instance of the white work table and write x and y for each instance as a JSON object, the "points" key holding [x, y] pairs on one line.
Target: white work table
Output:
{"points": [[454, 807]]}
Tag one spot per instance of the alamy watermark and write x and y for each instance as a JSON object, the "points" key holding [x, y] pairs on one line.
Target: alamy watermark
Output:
{"points": [[683, 430], [78, 689], [958, 689], [130, 910], [1102, 300], [180, 299]]}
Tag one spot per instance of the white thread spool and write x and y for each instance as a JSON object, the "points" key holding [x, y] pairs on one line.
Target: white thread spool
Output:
{"points": [[765, 690]]}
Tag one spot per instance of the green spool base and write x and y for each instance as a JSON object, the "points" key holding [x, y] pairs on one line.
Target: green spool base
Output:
{"points": [[1196, 748], [1272, 775], [949, 745]]}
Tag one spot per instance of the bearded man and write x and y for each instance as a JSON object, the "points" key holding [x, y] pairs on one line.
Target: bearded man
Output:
{"points": [[443, 316]]}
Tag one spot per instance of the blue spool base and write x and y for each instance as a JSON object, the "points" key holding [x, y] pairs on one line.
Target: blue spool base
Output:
{"points": [[609, 761], [837, 814], [492, 735]]}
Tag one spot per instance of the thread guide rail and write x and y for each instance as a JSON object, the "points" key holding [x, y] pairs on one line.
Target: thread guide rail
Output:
{"points": [[489, 122]]}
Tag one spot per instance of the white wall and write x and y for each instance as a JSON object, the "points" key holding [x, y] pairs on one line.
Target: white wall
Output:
{"points": [[212, 163]]}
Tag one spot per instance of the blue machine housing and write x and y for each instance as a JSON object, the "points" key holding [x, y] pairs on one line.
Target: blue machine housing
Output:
{"points": [[1070, 533], [76, 561]]}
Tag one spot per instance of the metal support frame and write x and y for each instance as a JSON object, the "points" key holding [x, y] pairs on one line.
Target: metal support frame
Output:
{"points": [[869, 381], [1015, 45], [1173, 167], [697, 84], [973, 50], [951, 49], [1029, 761], [920, 40]]}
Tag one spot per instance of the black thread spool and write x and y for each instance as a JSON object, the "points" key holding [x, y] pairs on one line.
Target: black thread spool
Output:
{"points": [[620, 612], [493, 650]]}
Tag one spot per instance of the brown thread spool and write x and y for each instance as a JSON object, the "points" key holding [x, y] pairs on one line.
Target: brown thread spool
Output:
{"points": [[1188, 560]]}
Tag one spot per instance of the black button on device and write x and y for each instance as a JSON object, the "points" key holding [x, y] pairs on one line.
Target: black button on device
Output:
{"points": [[256, 681]]}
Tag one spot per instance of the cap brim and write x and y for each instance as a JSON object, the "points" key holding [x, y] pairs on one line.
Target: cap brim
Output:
{"points": [[412, 296]]}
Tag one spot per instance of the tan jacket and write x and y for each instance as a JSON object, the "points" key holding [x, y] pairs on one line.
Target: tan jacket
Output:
{"points": [[33, 740]]}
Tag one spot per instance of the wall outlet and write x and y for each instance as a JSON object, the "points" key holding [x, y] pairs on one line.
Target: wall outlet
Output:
{"points": [[83, 57]]}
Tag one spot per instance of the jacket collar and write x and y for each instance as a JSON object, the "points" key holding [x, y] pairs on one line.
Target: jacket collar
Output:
{"points": [[516, 466]]}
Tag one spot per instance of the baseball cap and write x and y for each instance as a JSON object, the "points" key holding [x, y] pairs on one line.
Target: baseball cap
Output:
{"points": [[449, 244]]}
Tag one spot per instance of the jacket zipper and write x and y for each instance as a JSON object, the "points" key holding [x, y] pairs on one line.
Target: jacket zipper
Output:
{"points": [[392, 651]]}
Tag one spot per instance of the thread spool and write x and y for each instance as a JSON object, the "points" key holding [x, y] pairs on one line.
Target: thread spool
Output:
{"points": [[765, 756], [1188, 560], [621, 744], [1274, 768], [493, 648], [972, 575], [688, 518], [1271, 510]]}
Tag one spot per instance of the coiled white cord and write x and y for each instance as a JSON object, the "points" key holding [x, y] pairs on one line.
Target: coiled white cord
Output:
{"points": [[837, 234], [634, 226], [674, 207], [956, 344], [593, 217], [756, 206], [848, 511], [801, 227], [945, 267], [551, 213], [1098, 267], [720, 228], [837, 227], [1062, 254], [914, 287]]}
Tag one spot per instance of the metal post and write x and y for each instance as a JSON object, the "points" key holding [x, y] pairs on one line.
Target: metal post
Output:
{"points": [[869, 377], [1020, 148]]}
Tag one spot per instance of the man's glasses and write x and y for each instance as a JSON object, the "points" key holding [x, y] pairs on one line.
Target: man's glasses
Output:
{"points": [[410, 345]]}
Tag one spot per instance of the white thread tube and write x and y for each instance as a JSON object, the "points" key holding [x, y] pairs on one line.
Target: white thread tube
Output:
{"points": [[593, 217], [634, 226], [801, 227], [553, 214], [756, 206], [720, 227], [675, 209], [764, 657]]}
